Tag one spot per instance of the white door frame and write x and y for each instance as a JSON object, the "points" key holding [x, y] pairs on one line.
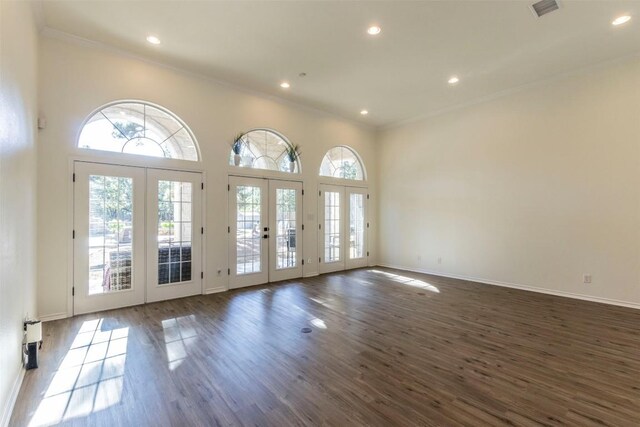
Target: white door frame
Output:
{"points": [[269, 272], [115, 160], [344, 212]]}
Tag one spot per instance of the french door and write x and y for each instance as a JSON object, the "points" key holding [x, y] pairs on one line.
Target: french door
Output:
{"points": [[343, 228], [174, 234], [265, 230], [136, 236]]}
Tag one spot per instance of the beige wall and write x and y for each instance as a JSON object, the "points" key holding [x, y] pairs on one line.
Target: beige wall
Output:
{"points": [[76, 78], [18, 85], [535, 188]]}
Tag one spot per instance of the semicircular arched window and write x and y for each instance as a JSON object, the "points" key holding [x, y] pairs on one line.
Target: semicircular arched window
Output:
{"points": [[265, 149], [138, 128], [342, 162]]}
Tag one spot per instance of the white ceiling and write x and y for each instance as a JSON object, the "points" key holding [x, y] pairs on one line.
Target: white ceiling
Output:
{"points": [[398, 75]]}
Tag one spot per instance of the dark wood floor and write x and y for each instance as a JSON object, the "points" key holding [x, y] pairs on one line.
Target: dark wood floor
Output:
{"points": [[383, 351]]}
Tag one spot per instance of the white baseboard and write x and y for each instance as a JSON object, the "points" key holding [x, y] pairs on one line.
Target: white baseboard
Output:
{"points": [[11, 401], [54, 316], [214, 290], [311, 274], [521, 287]]}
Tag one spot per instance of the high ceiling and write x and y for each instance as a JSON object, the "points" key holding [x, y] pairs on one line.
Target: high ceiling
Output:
{"points": [[397, 75]]}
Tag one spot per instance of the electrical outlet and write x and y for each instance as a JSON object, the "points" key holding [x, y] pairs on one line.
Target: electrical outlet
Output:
{"points": [[219, 272], [308, 260], [587, 278]]}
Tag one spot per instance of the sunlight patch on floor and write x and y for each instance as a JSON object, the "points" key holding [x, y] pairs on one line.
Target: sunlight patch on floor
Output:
{"points": [[89, 378], [179, 336], [409, 281]]}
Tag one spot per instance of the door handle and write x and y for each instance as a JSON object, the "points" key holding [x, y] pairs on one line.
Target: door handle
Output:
{"points": [[266, 229], [266, 236]]}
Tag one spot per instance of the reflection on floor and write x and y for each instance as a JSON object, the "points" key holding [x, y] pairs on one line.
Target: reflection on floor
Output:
{"points": [[89, 378], [386, 347]]}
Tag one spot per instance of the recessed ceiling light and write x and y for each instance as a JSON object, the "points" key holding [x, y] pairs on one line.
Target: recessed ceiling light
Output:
{"points": [[374, 30], [453, 80], [153, 40], [285, 85], [621, 20], [364, 112]]}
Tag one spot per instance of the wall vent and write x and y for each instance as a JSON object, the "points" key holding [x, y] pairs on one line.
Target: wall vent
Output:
{"points": [[544, 6]]}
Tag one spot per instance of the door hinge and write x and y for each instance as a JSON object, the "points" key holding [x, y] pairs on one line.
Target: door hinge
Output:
{"points": [[228, 272], [73, 234], [228, 187], [202, 274], [74, 177], [303, 192], [73, 291], [319, 260], [228, 229], [367, 253], [319, 193], [201, 230], [302, 227], [202, 185], [319, 226], [302, 262], [367, 197], [367, 225]]}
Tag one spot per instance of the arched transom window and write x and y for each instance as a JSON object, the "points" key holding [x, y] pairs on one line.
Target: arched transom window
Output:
{"points": [[342, 162], [139, 128], [264, 149]]}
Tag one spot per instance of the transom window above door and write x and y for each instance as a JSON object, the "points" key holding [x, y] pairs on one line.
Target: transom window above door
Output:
{"points": [[264, 149], [135, 127], [342, 162]]}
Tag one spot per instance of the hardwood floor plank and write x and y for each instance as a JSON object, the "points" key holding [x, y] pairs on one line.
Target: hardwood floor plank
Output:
{"points": [[387, 347]]}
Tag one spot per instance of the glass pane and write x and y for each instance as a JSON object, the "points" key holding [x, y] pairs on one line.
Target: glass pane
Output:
{"points": [[342, 162], [138, 128], [331, 226], [356, 226], [248, 231], [175, 232], [110, 233], [264, 149], [285, 228]]}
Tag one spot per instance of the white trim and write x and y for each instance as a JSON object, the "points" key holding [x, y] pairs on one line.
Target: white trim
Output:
{"points": [[214, 291], [521, 287], [315, 274], [59, 35], [54, 316], [13, 396], [510, 91]]}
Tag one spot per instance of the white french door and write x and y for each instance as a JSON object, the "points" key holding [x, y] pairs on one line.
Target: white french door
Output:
{"points": [[265, 228], [285, 230], [109, 237], [357, 226], [174, 234], [343, 231], [136, 236]]}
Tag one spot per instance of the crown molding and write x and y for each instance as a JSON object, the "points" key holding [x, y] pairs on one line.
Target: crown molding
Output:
{"points": [[510, 91], [63, 36]]}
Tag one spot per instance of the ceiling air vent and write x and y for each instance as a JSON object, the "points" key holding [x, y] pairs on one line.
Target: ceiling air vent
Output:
{"points": [[544, 6]]}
